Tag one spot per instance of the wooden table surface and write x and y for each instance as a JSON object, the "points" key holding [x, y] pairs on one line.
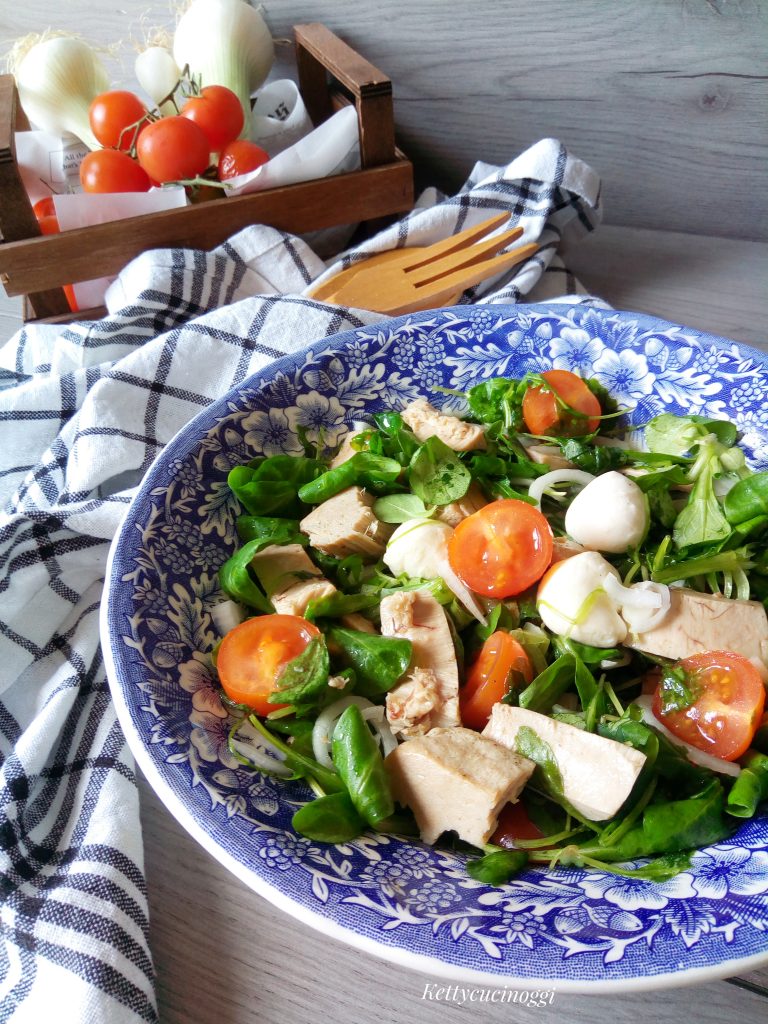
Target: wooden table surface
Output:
{"points": [[225, 955]]}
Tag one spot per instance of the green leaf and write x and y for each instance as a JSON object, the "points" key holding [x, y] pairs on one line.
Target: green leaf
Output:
{"points": [[334, 605], [378, 661], [329, 819], [750, 788], [495, 399], [592, 458], [671, 826], [701, 565], [497, 867], [305, 677], [529, 744], [237, 582], [748, 499], [269, 487], [702, 520], [673, 435], [279, 531], [678, 689], [358, 760], [437, 475], [399, 508], [542, 693], [374, 472]]}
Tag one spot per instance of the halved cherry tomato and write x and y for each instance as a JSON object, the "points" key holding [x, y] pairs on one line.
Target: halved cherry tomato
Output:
{"points": [[489, 677], [513, 824], [240, 157], [109, 170], [114, 117], [543, 414], [219, 113], [252, 655], [501, 550], [730, 697], [173, 149]]}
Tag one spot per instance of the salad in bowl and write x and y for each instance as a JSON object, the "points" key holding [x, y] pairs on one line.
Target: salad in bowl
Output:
{"points": [[529, 634], [423, 607]]}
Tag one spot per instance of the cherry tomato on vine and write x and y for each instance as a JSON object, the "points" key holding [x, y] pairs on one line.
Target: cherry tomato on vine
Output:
{"points": [[544, 415], [240, 157], [501, 662], [173, 149], [501, 550], [252, 655], [114, 118], [109, 170], [729, 697], [219, 113]]}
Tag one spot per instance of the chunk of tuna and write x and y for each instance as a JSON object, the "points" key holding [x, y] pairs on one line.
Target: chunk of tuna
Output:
{"points": [[564, 547], [456, 511], [345, 525], [454, 780], [548, 455], [426, 421], [417, 616], [345, 452], [410, 705], [705, 622], [290, 578], [597, 773]]}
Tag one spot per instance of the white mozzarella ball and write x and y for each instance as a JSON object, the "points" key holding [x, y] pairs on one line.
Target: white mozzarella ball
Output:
{"points": [[610, 514], [572, 601], [419, 548]]}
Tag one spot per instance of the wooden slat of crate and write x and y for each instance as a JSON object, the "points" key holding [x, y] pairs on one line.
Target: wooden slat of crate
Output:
{"points": [[33, 264]]}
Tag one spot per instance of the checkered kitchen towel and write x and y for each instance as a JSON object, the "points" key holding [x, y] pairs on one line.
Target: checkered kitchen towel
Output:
{"points": [[85, 409]]}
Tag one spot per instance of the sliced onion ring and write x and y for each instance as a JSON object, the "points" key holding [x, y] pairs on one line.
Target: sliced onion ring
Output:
{"points": [[642, 606], [557, 476], [251, 744], [322, 731], [699, 757]]}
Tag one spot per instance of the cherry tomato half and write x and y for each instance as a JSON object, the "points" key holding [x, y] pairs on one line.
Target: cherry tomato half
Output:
{"points": [[501, 550], [543, 415], [513, 824], [488, 678], [730, 697], [219, 113], [109, 170], [252, 655], [115, 117], [240, 157], [173, 149]]}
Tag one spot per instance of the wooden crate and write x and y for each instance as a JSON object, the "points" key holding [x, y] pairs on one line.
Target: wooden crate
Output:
{"points": [[331, 74]]}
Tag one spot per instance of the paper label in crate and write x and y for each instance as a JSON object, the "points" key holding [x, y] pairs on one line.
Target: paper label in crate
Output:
{"points": [[332, 148], [49, 164], [279, 118], [84, 210]]}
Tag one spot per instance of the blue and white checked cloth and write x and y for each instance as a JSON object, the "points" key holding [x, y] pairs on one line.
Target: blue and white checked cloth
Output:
{"points": [[85, 409]]}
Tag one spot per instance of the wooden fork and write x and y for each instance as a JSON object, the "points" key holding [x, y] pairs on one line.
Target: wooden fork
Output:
{"points": [[424, 277]]}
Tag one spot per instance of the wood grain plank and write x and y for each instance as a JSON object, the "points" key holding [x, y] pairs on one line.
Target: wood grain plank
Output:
{"points": [[668, 101], [30, 265]]}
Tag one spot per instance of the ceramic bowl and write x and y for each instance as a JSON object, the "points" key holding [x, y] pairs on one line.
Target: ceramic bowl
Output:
{"points": [[578, 930]]}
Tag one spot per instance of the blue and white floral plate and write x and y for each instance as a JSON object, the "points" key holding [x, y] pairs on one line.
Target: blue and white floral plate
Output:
{"points": [[571, 929]]}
